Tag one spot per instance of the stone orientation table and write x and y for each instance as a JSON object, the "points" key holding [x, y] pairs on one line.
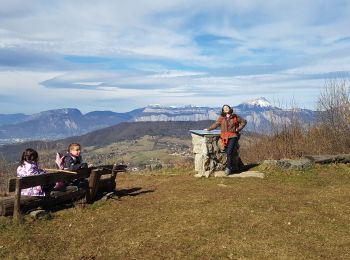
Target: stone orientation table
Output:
{"points": [[210, 156]]}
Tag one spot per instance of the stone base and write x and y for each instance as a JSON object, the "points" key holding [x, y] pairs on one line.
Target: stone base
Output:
{"points": [[245, 174], [203, 174]]}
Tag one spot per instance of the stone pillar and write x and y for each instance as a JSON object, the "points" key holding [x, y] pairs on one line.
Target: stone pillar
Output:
{"points": [[210, 156]]}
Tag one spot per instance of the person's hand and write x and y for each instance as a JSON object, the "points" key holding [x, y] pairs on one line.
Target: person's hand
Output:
{"points": [[90, 165]]}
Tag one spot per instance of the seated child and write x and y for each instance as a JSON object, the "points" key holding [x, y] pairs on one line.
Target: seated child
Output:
{"points": [[29, 166], [73, 161]]}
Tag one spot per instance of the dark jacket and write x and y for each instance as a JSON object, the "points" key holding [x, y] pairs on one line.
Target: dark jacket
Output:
{"points": [[228, 125], [72, 162]]}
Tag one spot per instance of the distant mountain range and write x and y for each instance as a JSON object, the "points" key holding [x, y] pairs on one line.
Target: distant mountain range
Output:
{"points": [[61, 123], [55, 124]]}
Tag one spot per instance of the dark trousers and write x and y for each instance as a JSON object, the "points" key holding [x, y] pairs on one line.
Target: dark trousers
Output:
{"points": [[231, 151]]}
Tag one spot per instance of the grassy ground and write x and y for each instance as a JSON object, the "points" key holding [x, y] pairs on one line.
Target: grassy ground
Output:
{"points": [[172, 215]]}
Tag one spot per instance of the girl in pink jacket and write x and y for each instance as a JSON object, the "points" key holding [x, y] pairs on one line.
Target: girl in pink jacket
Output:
{"points": [[29, 166]]}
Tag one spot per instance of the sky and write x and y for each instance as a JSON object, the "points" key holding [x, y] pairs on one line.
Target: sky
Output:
{"points": [[120, 55]]}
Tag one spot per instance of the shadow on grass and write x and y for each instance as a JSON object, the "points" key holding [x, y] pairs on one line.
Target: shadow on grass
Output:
{"points": [[112, 195], [58, 207], [247, 167], [131, 192], [118, 194]]}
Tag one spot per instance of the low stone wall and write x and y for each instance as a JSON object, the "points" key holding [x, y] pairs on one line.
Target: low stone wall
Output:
{"points": [[306, 162]]}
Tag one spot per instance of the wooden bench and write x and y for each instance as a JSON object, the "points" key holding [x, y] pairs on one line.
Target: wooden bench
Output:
{"points": [[99, 178]]}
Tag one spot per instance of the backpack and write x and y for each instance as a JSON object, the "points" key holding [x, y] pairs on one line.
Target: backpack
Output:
{"points": [[60, 161], [60, 185]]}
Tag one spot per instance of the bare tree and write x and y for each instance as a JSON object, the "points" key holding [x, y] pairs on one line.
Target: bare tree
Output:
{"points": [[334, 103]]}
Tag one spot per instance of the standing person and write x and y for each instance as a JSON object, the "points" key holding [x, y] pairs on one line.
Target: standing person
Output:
{"points": [[231, 124], [29, 166]]}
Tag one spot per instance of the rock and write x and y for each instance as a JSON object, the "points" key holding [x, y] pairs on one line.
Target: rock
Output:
{"points": [[287, 164], [207, 174], [153, 166], [245, 174], [156, 166], [199, 162], [38, 214], [254, 174], [108, 196], [269, 163], [296, 164], [199, 144], [219, 174], [324, 159]]}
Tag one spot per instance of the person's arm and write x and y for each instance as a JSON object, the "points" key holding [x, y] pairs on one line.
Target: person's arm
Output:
{"points": [[72, 165], [21, 171], [75, 167], [67, 160], [242, 123], [215, 125]]}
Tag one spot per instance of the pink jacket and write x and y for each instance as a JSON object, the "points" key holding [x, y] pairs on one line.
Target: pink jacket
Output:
{"points": [[28, 169]]}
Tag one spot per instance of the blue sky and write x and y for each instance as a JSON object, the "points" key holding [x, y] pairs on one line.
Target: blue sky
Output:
{"points": [[121, 55]]}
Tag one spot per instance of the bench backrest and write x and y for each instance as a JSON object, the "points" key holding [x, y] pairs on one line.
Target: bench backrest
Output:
{"points": [[47, 178]]}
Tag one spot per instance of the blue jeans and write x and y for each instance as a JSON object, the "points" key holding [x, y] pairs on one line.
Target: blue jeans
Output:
{"points": [[231, 151]]}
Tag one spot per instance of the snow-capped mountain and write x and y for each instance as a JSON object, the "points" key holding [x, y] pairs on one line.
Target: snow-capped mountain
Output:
{"points": [[259, 113], [260, 102]]}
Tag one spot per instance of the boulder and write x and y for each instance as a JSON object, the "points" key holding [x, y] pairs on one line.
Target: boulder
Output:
{"points": [[38, 214], [324, 159], [295, 164], [108, 196], [254, 174]]}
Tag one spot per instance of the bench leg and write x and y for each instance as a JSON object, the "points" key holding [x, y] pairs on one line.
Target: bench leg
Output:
{"points": [[113, 178], [17, 202], [93, 184]]}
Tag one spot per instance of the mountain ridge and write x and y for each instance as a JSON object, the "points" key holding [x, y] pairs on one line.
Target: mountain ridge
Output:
{"points": [[65, 122]]}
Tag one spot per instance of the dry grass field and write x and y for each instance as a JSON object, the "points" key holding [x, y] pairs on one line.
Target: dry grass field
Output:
{"points": [[170, 214]]}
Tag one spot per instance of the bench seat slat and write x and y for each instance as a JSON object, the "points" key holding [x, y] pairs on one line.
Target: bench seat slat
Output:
{"points": [[117, 168]]}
